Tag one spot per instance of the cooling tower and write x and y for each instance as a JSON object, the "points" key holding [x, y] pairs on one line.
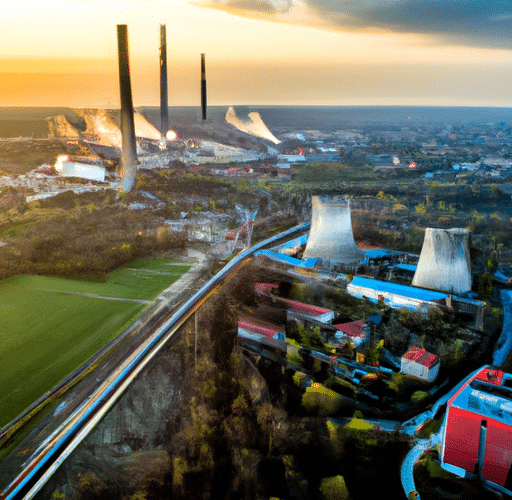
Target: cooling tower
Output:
{"points": [[164, 104], [444, 262], [129, 146], [330, 237], [203, 86]]}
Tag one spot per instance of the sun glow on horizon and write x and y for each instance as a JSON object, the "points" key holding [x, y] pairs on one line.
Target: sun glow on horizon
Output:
{"points": [[65, 53]]}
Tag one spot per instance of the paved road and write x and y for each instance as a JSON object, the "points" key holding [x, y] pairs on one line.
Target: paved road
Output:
{"points": [[407, 468]]}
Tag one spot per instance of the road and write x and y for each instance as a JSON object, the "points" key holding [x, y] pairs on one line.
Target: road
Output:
{"points": [[85, 398], [406, 470]]}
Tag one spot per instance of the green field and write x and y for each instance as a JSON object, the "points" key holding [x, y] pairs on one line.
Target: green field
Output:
{"points": [[50, 326]]}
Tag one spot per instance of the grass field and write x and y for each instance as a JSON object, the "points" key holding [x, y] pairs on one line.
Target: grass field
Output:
{"points": [[50, 326]]}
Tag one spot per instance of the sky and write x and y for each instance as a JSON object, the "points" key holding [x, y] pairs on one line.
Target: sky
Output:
{"points": [[260, 52]]}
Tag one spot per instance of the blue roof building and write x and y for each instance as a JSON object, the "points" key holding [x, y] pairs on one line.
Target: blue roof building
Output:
{"points": [[395, 295]]}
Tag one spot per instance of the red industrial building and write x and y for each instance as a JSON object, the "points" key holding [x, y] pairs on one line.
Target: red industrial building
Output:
{"points": [[477, 441]]}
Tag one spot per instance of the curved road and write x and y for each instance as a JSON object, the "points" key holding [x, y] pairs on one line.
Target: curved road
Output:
{"points": [[406, 470], [91, 393]]}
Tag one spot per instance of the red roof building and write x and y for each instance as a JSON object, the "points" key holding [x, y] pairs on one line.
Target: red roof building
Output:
{"points": [[295, 308], [258, 337], [352, 329], [268, 331], [308, 311], [477, 440], [420, 363]]}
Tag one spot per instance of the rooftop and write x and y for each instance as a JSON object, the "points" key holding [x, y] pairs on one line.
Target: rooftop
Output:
{"points": [[489, 393], [266, 330], [421, 357], [352, 329], [396, 289]]}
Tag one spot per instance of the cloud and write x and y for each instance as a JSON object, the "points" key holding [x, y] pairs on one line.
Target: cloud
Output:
{"points": [[469, 22], [481, 23], [297, 12]]}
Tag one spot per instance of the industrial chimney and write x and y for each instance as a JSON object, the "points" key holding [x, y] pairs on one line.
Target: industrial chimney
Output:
{"points": [[129, 147], [330, 237], [203, 86], [444, 262], [164, 104]]}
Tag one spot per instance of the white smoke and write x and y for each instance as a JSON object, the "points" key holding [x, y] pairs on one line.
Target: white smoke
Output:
{"points": [[144, 129], [100, 125], [254, 126]]}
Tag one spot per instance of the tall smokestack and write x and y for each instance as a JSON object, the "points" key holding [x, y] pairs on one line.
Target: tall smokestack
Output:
{"points": [[164, 104], [129, 154], [203, 86]]}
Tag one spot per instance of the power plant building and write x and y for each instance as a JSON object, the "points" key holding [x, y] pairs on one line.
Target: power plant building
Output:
{"points": [[444, 262], [330, 237], [477, 440]]}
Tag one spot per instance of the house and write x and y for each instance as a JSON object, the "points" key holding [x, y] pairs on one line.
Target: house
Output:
{"points": [[263, 339], [477, 438], [298, 310], [356, 330], [421, 364]]}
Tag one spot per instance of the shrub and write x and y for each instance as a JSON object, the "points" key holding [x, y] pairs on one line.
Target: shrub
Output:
{"points": [[334, 488], [340, 386], [318, 400], [418, 396]]}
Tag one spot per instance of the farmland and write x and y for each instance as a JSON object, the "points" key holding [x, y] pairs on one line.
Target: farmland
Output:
{"points": [[50, 326]]}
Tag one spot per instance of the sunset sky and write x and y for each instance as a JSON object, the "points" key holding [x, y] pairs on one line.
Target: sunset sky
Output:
{"points": [[314, 52]]}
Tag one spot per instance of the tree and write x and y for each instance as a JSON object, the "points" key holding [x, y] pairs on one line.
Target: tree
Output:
{"points": [[223, 331], [268, 417]]}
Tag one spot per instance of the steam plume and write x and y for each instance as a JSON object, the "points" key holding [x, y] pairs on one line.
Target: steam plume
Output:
{"points": [[254, 126]]}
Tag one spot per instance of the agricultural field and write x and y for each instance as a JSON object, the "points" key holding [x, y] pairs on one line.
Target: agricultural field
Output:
{"points": [[50, 326]]}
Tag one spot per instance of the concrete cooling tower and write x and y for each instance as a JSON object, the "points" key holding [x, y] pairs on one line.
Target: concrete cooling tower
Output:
{"points": [[330, 237], [444, 262]]}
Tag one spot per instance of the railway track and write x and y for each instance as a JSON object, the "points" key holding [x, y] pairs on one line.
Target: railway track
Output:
{"points": [[103, 380]]}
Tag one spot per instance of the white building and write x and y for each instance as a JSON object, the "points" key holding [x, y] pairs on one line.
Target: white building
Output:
{"points": [[291, 158], [67, 168], [420, 363]]}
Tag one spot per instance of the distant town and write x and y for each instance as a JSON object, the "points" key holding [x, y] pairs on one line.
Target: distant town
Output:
{"points": [[349, 317]]}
